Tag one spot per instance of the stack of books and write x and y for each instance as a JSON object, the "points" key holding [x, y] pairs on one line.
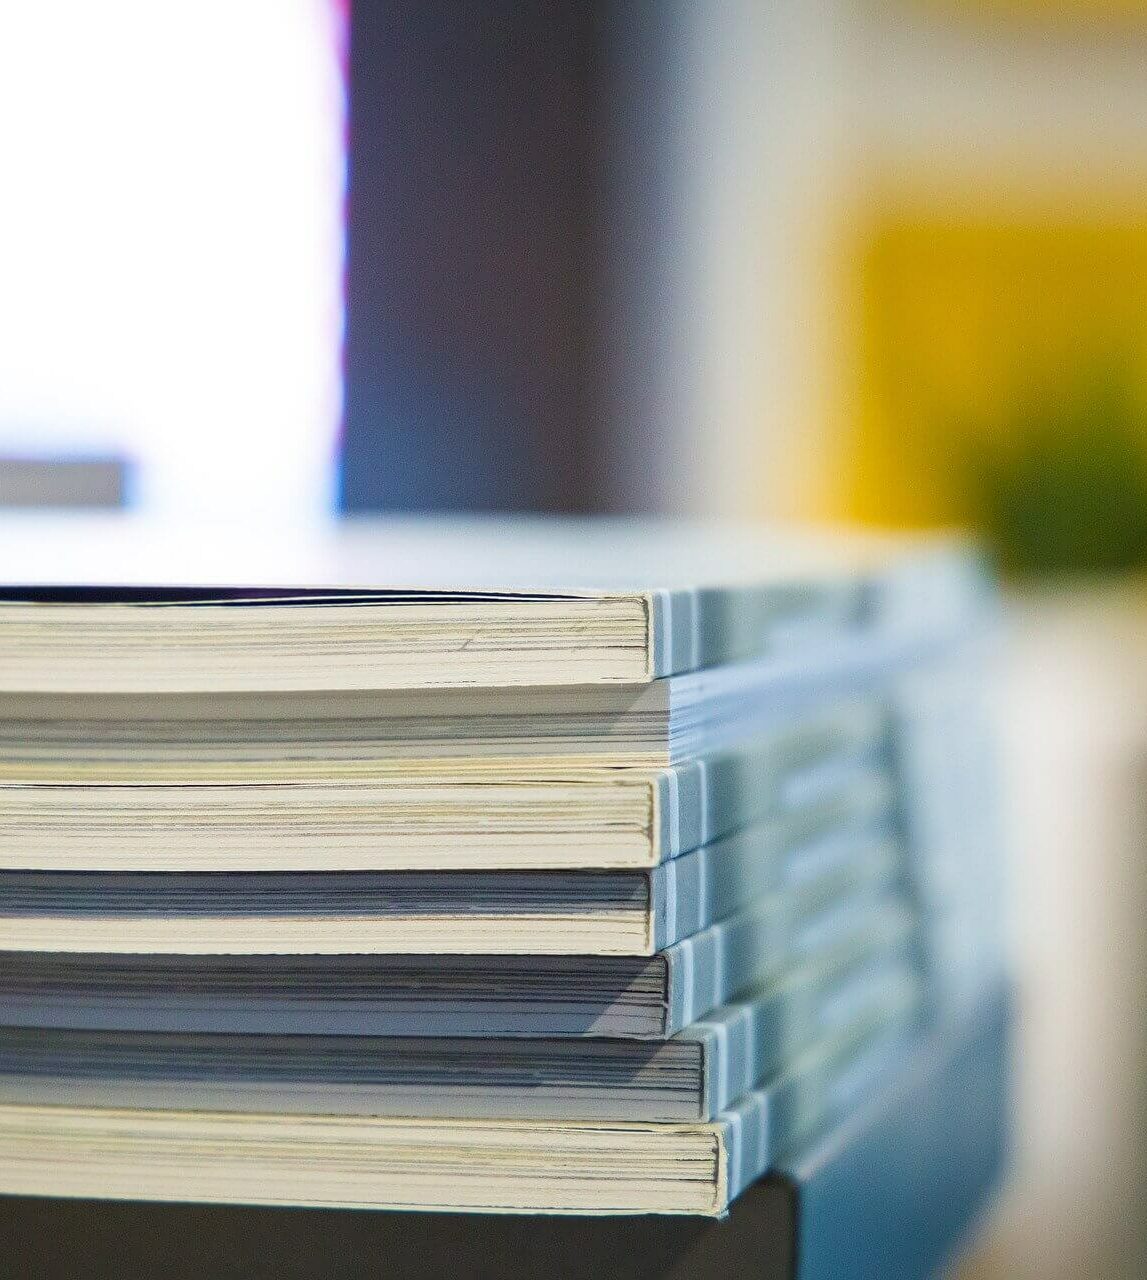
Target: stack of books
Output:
{"points": [[564, 869]]}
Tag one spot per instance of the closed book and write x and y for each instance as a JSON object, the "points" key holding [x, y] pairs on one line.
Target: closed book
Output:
{"points": [[502, 995], [557, 913], [450, 1165], [521, 734], [441, 604], [202, 818], [693, 1076]]}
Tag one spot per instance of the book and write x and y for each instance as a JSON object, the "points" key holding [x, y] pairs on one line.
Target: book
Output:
{"points": [[412, 605], [856, 911], [201, 819], [544, 912], [692, 1076], [65, 727], [944, 757], [862, 1198], [452, 1164], [556, 873], [248, 736]]}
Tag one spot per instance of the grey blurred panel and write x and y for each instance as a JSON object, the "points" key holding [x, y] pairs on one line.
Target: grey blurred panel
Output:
{"points": [[63, 482], [470, 358], [896, 1192]]}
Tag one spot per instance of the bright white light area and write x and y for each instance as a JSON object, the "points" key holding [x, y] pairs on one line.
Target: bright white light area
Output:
{"points": [[171, 245]]}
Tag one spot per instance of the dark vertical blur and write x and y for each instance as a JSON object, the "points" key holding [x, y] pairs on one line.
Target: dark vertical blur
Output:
{"points": [[473, 207]]}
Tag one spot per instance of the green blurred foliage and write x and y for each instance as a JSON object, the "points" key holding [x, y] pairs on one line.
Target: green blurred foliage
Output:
{"points": [[1061, 488]]}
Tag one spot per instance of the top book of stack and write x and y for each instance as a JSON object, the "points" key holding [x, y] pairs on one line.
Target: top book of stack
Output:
{"points": [[409, 605]]}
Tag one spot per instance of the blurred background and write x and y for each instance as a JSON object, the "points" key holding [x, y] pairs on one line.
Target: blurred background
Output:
{"points": [[758, 259]]}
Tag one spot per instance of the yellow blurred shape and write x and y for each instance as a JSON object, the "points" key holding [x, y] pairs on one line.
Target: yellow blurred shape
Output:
{"points": [[961, 321], [1040, 10]]}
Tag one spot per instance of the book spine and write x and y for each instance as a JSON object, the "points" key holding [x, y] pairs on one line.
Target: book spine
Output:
{"points": [[690, 892], [820, 1089], [746, 1146], [802, 760], [949, 811], [754, 946], [693, 628], [757, 1038]]}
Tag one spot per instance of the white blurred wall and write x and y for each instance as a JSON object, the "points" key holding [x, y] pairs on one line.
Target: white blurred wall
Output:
{"points": [[171, 245], [1073, 723]]}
